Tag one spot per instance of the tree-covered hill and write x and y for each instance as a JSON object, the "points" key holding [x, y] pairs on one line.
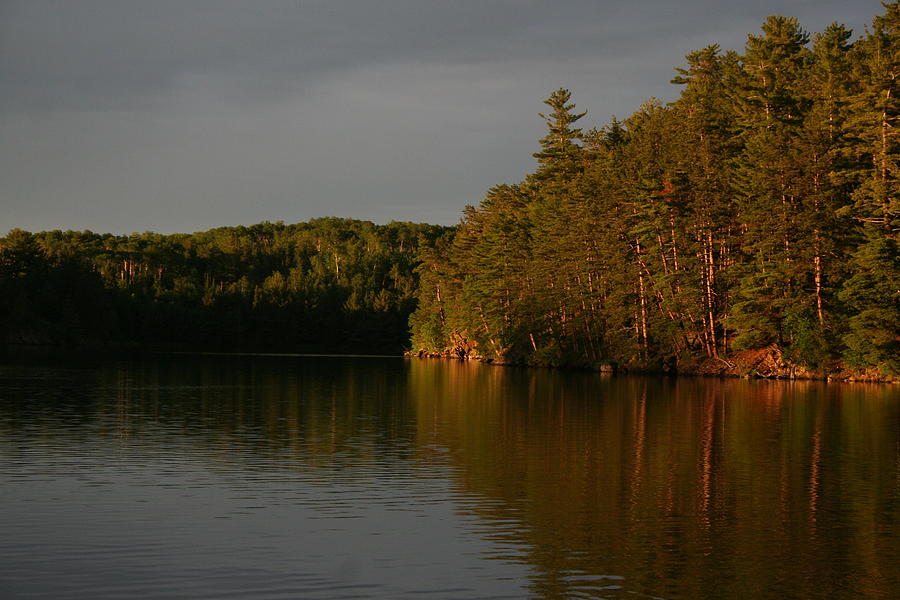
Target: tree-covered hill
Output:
{"points": [[756, 216], [758, 213], [326, 285]]}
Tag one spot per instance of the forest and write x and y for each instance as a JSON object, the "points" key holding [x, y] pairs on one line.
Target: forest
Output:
{"points": [[329, 285], [755, 217]]}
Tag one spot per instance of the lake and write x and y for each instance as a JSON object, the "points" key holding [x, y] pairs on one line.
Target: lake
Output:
{"points": [[190, 476]]}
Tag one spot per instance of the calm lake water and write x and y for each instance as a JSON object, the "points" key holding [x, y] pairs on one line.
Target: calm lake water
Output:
{"points": [[325, 477]]}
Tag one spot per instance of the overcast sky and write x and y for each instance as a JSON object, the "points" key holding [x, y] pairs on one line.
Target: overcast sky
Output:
{"points": [[182, 115]]}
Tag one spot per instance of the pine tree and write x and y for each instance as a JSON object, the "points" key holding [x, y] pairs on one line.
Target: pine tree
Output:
{"points": [[820, 231], [767, 183], [872, 292], [871, 126], [559, 155], [706, 142], [552, 271]]}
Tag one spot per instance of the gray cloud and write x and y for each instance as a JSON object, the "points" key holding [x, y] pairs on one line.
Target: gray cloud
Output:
{"points": [[182, 115]]}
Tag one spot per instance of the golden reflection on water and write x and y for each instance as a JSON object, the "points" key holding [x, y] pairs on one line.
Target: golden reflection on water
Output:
{"points": [[686, 488]]}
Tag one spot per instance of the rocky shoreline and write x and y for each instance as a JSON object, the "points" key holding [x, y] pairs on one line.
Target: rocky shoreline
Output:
{"points": [[764, 363]]}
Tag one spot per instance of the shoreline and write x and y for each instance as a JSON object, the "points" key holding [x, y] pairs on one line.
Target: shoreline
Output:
{"points": [[765, 364]]}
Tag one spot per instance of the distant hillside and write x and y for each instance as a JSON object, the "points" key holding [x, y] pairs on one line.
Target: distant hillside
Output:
{"points": [[328, 285]]}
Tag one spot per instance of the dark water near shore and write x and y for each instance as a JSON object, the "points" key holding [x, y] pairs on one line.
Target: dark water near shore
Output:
{"points": [[324, 477]]}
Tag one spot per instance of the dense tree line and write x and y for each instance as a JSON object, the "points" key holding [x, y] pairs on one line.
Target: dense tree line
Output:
{"points": [[326, 285], [757, 211]]}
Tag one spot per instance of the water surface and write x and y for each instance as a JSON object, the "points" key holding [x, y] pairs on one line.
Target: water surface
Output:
{"points": [[326, 477]]}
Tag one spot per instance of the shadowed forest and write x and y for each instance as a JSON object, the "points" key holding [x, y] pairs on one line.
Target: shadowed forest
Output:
{"points": [[329, 285], [757, 213]]}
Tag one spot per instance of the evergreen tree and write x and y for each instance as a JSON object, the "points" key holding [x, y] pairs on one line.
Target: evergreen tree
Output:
{"points": [[559, 155], [708, 146], [768, 187], [872, 292], [552, 271]]}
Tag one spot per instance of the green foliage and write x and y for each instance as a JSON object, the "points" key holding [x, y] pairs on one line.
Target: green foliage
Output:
{"points": [[327, 285], [808, 343], [760, 209], [872, 294], [757, 210], [559, 152]]}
